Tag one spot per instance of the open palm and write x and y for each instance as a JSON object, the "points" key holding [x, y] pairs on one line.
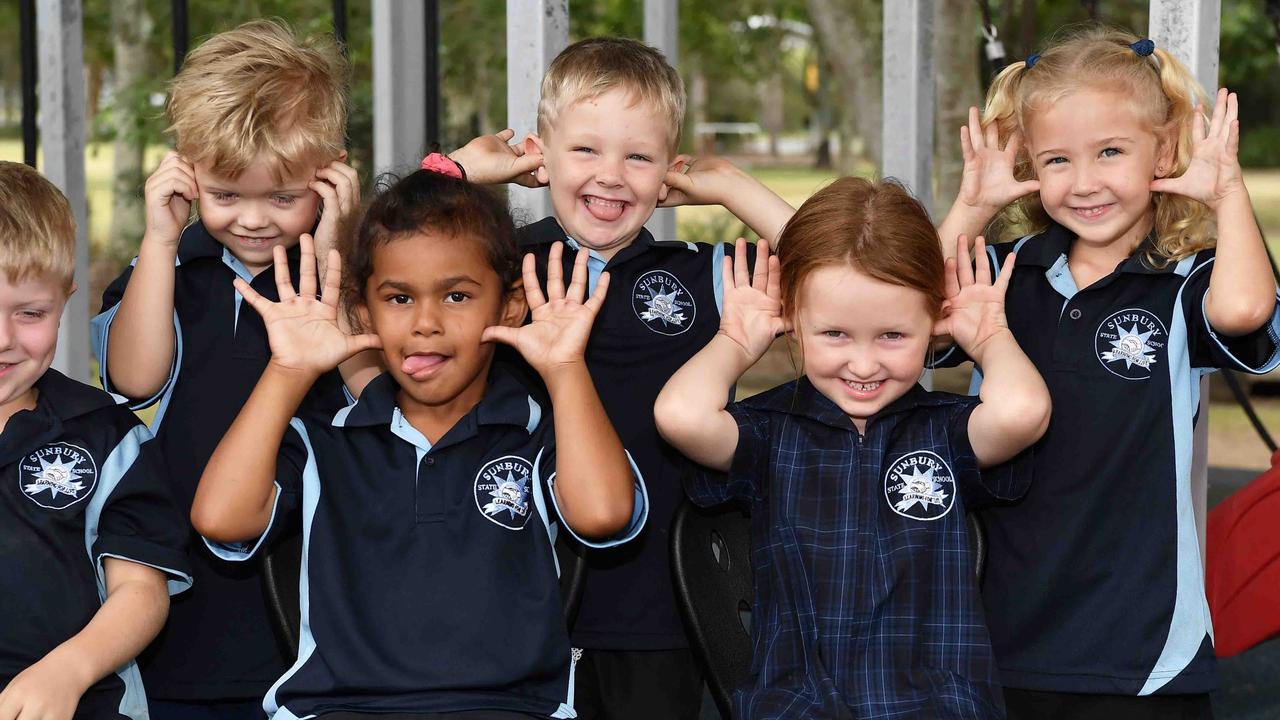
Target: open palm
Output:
{"points": [[561, 318], [974, 309], [1214, 171], [302, 329], [752, 315], [987, 180]]}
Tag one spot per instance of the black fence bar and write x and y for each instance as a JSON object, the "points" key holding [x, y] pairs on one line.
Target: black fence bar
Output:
{"points": [[340, 23], [181, 32], [431, 41], [30, 102]]}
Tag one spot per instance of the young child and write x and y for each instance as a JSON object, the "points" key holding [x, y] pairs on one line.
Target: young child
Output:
{"points": [[88, 530], [258, 118], [1094, 583], [444, 482], [857, 479], [608, 132]]}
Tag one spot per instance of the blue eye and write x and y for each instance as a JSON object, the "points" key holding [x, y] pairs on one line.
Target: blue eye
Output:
{"points": [[583, 149], [1112, 152], [637, 156], [833, 333], [1055, 160]]}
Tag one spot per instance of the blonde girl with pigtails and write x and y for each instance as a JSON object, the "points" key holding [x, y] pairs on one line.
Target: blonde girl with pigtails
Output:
{"points": [[1139, 269]]}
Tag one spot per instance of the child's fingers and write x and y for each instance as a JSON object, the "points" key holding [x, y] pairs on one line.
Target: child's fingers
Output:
{"points": [[1232, 116], [982, 264], [726, 272], [964, 265], [306, 266], [532, 291], [966, 145], [251, 296], [1014, 145], [991, 136], [596, 300], [760, 279], [976, 137], [740, 277], [1197, 124], [578, 281], [332, 279], [1006, 272], [774, 287], [360, 343], [284, 283], [505, 135], [555, 272], [500, 333], [951, 284], [1233, 139]]}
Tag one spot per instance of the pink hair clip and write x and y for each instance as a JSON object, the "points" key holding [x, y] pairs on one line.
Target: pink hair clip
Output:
{"points": [[443, 164]]}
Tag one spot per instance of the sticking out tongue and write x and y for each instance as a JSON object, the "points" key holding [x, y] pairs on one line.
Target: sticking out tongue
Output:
{"points": [[415, 364], [606, 210]]}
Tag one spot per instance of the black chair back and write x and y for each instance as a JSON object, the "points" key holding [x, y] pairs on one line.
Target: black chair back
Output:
{"points": [[711, 560]]}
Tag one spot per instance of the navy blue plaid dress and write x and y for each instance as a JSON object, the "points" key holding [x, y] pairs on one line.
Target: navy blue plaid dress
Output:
{"points": [[866, 603]]}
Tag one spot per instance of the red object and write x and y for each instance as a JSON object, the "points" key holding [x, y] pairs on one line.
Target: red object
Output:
{"points": [[435, 162], [1242, 568]]}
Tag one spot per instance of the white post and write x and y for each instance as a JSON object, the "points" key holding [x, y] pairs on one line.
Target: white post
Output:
{"points": [[399, 85], [537, 30], [908, 91], [909, 105], [661, 23], [1189, 30], [62, 130]]}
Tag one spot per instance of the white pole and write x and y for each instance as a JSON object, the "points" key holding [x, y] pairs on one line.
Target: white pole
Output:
{"points": [[908, 92], [62, 131], [399, 85], [661, 30], [537, 30]]}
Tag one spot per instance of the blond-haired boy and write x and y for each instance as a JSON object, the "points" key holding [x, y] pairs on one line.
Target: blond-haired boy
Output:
{"points": [[258, 118], [88, 531], [608, 131]]}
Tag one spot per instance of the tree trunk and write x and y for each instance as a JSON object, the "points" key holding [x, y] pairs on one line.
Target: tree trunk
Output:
{"points": [[850, 37], [130, 28], [958, 87]]}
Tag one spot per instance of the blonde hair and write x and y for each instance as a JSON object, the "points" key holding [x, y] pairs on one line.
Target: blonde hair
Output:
{"points": [[259, 90], [37, 229], [590, 68], [1161, 90]]}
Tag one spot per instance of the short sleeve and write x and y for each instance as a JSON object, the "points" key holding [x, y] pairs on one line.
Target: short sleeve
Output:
{"points": [[979, 486], [136, 518], [742, 483], [100, 333], [1257, 352], [294, 463], [544, 478]]}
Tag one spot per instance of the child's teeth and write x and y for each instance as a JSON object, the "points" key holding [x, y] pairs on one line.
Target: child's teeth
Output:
{"points": [[607, 203], [865, 387]]}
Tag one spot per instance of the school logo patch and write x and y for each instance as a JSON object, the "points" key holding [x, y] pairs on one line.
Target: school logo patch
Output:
{"points": [[920, 486], [57, 476], [502, 491], [662, 303], [1129, 342]]}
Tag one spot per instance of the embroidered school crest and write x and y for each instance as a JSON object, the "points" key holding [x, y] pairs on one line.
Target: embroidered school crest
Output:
{"points": [[662, 303], [1129, 342], [502, 491], [57, 476], [920, 486]]}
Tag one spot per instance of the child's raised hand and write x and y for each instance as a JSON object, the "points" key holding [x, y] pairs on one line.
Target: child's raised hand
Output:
{"points": [[338, 186], [752, 315], [987, 181], [490, 159], [561, 319], [1214, 172], [973, 312], [708, 181], [168, 195], [302, 329]]}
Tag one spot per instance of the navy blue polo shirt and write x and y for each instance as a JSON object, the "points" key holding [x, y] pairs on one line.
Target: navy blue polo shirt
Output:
{"points": [[1094, 582], [218, 643], [865, 601], [81, 483], [429, 582], [663, 306]]}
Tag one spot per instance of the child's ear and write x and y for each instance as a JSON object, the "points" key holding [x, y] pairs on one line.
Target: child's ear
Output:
{"points": [[516, 307], [1166, 148], [533, 144], [680, 162], [342, 156]]}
